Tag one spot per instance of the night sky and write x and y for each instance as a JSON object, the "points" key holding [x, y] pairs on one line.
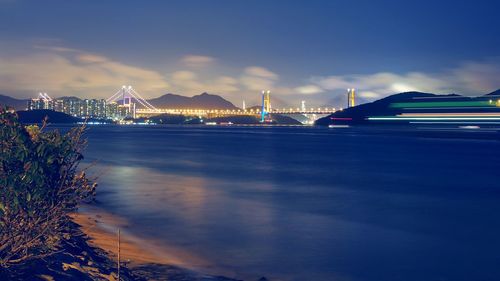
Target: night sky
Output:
{"points": [[300, 50]]}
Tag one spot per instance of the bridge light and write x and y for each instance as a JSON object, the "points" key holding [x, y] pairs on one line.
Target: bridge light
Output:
{"points": [[123, 87]]}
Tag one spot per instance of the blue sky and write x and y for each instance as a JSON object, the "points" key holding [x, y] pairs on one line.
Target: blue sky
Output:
{"points": [[300, 50]]}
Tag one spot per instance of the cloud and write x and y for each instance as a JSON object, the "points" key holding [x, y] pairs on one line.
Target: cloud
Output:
{"points": [[257, 71], [247, 86], [477, 76], [257, 78], [55, 48], [90, 58], [368, 95], [189, 83], [197, 61], [468, 78], [61, 71], [183, 75], [225, 84], [309, 89]]}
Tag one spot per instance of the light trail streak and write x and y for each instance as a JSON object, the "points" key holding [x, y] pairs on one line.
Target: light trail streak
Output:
{"points": [[448, 108], [458, 114], [454, 122], [442, 104], [395, 118]]}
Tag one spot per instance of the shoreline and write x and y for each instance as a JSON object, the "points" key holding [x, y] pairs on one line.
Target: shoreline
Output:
{"points": [[102, 228], [147, 259]]}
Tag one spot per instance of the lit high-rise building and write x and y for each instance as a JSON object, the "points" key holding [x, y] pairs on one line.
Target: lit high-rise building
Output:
{"points": [[42, 102], [87, 108], [74, 107], [59, 105], [34, 104], [112, 110], [91, 108]]}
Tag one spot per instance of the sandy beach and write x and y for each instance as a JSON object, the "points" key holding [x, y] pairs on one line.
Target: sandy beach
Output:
{"points": [[149, 257]]}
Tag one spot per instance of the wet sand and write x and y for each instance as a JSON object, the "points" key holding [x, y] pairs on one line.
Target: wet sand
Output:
{"points": [[102, 228]]}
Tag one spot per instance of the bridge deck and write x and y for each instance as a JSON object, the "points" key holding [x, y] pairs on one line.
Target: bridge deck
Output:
{"points": [[201, 112]]}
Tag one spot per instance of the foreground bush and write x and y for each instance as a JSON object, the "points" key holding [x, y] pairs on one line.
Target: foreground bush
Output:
{"points": [[39, 186]]}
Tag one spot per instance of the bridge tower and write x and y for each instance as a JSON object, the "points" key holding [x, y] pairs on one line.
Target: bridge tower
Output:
{"points": [[351, 97], [126, 101], [266, 107], [127, 98]]}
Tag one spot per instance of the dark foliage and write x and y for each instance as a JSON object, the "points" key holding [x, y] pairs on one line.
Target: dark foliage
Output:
{"points": [[39, 186]]}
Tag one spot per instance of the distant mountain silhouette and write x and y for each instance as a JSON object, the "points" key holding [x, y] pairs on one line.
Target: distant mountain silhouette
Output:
{"points": [[495, 93], [278, 102], [358, 114], [17, 104], [69, 98], [37, 116], [203, 101]]}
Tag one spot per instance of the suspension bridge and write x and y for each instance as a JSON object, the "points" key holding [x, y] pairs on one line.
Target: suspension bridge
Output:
{"points": [[130, 103], [124, 100]]}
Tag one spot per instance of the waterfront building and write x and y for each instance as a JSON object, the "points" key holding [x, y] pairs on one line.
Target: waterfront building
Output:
{"points": [[120, 111], [93, 108], [87, 108], [40, 103], [112, 110], [58, 105], [73, 107]]}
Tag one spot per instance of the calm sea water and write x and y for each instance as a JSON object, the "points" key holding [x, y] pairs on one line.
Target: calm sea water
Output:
{"points": [[304, 203]]}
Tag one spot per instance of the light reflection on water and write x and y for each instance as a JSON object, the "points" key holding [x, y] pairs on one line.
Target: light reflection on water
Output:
{"points": [[306, 203]]}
